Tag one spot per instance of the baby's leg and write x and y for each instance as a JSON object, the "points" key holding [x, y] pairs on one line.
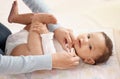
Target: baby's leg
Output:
{"points": [[26, 19], [33, 46], [13, 12]]}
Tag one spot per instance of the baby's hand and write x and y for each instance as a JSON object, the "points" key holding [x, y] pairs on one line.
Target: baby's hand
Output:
{"points": [[39, 27], [70, 49]]}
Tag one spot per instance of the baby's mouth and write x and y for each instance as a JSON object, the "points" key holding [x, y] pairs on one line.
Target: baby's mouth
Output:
{"points": [[79, 43]]}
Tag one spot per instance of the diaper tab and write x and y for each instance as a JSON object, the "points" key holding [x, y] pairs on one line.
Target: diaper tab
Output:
{"points": [[47, 35], [47, 43]]}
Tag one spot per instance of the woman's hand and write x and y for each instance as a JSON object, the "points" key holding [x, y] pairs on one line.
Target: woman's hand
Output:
{"points": [[64, 36], [65, 60]]}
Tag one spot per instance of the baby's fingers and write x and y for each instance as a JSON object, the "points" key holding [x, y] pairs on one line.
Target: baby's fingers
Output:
{"points": [[75, 61]]}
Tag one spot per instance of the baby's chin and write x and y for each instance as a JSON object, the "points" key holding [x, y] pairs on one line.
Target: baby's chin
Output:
{"points": [[81, 59], [76, 51]]}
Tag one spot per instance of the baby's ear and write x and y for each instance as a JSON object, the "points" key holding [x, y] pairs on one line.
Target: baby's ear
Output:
{"points": [[89, 61]]}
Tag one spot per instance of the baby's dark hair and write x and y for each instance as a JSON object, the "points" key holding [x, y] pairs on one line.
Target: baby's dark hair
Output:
{"points": [[107, 52]]}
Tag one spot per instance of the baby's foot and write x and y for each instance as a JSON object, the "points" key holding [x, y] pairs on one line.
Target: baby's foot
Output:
{"points": [[39, 27], [13, 12], [44, 18]]}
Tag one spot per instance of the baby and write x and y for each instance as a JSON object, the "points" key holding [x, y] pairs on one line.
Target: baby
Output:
{"points": [[92, 48]]}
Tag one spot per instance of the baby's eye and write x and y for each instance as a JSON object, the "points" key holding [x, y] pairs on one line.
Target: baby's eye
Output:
{"points": [[90, 47], [88, 36]]}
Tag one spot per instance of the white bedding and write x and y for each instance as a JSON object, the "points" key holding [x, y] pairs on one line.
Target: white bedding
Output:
{"points": [[109, 70]]}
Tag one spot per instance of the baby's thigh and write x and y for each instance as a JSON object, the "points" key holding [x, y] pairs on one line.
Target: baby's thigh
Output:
{"points": [[20, 50], [23, 49]]}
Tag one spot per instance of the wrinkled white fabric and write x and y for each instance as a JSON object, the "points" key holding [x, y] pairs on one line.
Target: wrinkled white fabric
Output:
{"points": [[16, 39], [47, 43]]}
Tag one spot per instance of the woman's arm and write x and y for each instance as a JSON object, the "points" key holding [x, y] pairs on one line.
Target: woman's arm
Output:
{"points": [[40, 6], [24, 64]]}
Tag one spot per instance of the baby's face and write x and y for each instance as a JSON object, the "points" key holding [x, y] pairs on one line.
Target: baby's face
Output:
{"points": [[90, 45]]}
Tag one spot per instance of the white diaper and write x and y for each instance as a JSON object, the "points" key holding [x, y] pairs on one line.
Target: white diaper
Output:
{"points": [[16, 39], [21, 37], [47, 43]]}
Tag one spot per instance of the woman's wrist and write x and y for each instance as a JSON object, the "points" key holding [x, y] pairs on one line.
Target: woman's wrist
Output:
{"points": [[54, 61], [53, 27]]}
